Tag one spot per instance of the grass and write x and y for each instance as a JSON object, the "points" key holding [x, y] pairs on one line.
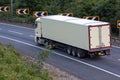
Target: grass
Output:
{"points": [[13, 66]]}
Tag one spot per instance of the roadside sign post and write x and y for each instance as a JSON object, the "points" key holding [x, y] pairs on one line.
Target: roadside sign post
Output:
{"points": [[11, 7]]}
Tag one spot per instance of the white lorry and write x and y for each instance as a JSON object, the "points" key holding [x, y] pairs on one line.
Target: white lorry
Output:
{"points": [[77, 36]]}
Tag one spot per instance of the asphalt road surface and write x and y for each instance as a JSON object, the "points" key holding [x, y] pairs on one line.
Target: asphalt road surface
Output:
{"points": [[100, 68]]}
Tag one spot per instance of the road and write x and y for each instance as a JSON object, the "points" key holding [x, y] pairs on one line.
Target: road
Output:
{"points": [[101, 68]]}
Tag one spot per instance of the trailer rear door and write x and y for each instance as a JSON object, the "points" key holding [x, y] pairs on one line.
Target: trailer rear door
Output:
{"points": [[99, 37]]}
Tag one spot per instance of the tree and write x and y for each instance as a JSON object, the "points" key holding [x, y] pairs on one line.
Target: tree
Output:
{"points": [[108, 10], [4, 2]]}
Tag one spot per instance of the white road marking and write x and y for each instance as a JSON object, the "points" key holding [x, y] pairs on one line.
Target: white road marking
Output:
{"points": [[101, 69], [32, 36], [15, 32]]}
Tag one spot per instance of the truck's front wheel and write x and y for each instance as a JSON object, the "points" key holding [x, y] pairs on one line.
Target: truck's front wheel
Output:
{"points": [[39, 41], [36, 40]]}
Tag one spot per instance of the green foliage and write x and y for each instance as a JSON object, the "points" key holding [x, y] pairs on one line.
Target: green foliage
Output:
{"points": [[5, 15], [4, 2], [41, 57], [17, 19], [15, 67], [108, 10]]}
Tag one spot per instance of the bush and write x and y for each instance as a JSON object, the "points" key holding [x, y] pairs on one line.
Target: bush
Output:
{"points": [[14, 67], [17, 19]]}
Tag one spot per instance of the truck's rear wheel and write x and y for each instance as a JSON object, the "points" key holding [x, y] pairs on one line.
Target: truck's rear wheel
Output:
{"points": [[68, 50], [81, 54], [74, 52]]}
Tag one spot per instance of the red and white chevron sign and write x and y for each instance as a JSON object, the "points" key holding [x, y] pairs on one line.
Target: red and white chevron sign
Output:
{"points": [[22, 11], [37, 14], [4, 8]]}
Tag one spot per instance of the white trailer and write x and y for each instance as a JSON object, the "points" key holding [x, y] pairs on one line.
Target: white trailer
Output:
{"points": [[76, 36]]}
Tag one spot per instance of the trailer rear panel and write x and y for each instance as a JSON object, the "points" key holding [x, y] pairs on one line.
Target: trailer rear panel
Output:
{"points": [[99, 37]]}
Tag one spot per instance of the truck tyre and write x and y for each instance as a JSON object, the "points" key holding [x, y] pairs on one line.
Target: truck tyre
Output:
{"points": [[81, 54], [48, 45], [74, 52], [69, 50], [37, 41]]}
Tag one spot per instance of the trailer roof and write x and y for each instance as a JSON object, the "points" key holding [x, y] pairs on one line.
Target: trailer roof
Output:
{"points": [[75, 20]]}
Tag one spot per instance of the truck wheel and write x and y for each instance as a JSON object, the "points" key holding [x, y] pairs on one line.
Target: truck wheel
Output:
{"points": [[81, 54], [48, 45], [73, 52], [37, 41], [40, 41], [69, 50]]}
